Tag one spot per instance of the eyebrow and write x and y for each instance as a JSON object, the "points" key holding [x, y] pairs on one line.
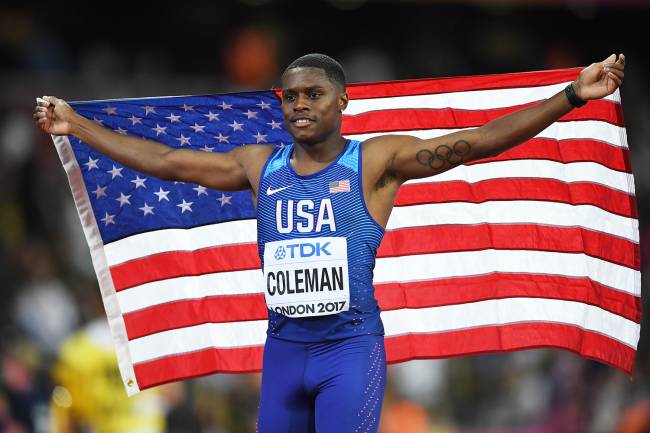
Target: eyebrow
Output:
{"points": [[306, 89]]}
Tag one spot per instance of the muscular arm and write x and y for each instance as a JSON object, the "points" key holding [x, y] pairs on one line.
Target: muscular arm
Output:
{"points": [[223, 171], [410, 157], [415, 158]]}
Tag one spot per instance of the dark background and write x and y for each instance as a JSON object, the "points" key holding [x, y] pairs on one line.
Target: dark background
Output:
{"points": [[99, 50]]}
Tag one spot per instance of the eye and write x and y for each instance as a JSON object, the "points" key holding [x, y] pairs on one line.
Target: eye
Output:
{"points": [[314, 95], [289, 98]]}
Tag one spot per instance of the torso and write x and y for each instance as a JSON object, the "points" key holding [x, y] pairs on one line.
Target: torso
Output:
{"points": [[326, 209]]}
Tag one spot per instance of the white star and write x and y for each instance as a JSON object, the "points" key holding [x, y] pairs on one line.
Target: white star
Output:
{"points": [[225, 106], [251, 114], [222, 138], [162, 194], [274, 125], [101, 122], [200, 190], [108, 219], [185, 206], [100, 191], [121, 131], [282, 145], [123, 199], [173, 118], [149, 109], [110, 110], [206, 148], [264, 105], [159, 130], [177, 182], [188, 107], [261, 138], [224, 199], [115, 172], [139, 182], [198, 128], [184, 140], [92, 163], [135, 119], [212, 116], [146, 209], [236, 126]]}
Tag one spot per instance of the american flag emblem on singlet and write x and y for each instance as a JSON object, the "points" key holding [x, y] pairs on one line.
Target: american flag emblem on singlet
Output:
{"points": [[340, 186]]}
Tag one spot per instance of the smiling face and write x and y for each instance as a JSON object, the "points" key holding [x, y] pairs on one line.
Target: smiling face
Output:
{"points": [[311, 105]]}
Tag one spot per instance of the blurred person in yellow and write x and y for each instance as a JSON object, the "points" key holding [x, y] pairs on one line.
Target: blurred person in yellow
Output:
{"points": [[91, 395]]}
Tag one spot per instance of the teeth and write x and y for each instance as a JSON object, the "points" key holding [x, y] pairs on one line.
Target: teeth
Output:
{"points": [[302, 121]]}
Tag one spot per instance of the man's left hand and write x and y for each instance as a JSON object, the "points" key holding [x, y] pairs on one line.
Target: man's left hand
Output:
{"points": [[600, 79]]}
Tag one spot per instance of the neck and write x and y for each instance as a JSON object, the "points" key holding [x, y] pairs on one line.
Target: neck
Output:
{"points": [[322, 152], [307, 159]]}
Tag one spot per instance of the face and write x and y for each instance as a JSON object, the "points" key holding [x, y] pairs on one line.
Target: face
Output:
{"points": [[311, 105]]}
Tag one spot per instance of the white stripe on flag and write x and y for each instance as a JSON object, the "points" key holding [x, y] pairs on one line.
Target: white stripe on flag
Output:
{"points": [[399, 322], [391, 269], [579, 129], [467, 100], [570, 172], [515, 212]]}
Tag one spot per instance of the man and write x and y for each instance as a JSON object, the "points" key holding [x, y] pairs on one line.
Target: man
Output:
{"points": [[323, 203]]}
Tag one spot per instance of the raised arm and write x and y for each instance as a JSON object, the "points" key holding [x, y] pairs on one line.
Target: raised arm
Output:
{"points": [[222, 171], [411, 158]]}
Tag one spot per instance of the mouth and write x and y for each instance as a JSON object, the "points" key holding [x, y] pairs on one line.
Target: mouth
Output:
{"points": [[302, 122]]}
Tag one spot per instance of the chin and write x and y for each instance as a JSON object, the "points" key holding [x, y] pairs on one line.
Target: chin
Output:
{"points": [[305, 137]]}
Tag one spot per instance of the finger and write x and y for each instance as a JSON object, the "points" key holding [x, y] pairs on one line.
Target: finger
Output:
{"points": [[615, 78], [40, 109], [39, 115], [610, 59], [616, 72], [51, 100], [42, 102], [618, 66], [621, 59]]}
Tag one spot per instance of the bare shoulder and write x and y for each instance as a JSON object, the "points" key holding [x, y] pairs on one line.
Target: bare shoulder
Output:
{"points": [[252, 158], [255, 151]]}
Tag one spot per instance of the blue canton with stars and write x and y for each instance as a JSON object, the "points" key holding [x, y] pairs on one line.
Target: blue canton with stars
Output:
{"points": [[127, 202]]}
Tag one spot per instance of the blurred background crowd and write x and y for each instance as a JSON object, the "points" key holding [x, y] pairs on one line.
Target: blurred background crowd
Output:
{"points": [[57, 366]]}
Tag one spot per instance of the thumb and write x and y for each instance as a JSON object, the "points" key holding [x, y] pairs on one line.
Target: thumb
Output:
{"points": [[610, 59], [53, 100]]}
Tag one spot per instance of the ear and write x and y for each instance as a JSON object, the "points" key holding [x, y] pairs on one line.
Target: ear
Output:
{"points": [[343, 101]]}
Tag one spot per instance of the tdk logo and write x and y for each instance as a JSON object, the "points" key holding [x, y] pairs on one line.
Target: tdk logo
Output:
{"points": [[306, 249]]}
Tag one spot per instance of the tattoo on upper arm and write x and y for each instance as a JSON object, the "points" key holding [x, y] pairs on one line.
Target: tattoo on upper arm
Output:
{"points": [[443, 154]]}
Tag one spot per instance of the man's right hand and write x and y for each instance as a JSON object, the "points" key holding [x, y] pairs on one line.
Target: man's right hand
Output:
{"points": [[53, 115]]}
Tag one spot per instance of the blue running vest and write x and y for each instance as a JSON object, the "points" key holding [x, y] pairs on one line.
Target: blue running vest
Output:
{"points": [[303, 219]]}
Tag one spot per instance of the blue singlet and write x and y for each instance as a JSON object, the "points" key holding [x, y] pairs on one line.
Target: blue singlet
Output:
{"points": [[324, 359]]}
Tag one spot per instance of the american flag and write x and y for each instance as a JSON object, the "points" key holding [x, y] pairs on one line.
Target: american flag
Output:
{"points": [[537, 247], [340, 186]]}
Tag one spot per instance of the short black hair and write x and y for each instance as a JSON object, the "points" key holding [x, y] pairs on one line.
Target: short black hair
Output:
{"points": [[333, 69]]}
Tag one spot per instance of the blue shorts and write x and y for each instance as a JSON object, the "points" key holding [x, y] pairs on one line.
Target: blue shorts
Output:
{"points": [[330, 387]]}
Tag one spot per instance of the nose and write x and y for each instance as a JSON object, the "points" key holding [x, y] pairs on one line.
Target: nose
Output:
{"points": [[301, 103]]}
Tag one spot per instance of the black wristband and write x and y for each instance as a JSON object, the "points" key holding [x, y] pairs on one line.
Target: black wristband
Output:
{"points": [[574, 99]]}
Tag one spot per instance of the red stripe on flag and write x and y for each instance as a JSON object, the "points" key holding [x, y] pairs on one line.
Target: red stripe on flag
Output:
{"points": [[416, 240], [574, 193], [393, 296], [450, 238], [199, 363], [406, 347], [444, 118], [566, 151], [175, 264], [384, 89], [509, 338]]}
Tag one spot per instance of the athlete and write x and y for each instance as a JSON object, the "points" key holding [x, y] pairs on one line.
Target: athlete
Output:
{"points": [[323, 203]]}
